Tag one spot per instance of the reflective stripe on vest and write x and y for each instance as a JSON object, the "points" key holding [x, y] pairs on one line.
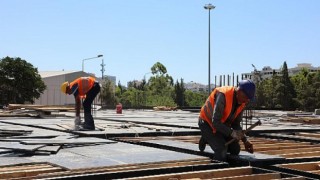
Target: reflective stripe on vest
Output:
{"points": [[206, 112], [84, 84]]}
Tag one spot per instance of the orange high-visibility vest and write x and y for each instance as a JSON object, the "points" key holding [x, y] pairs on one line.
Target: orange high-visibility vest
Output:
{"points": [[84, 85], [206, 112]]}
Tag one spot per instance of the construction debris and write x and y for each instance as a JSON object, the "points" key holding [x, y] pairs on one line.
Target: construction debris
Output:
{"points": [[164, 108]]}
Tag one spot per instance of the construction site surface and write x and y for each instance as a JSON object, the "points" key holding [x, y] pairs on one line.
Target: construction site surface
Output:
{"points": [[40, 143]]}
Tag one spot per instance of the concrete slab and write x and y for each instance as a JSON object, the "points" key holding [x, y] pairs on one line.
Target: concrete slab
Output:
{"points": [[110, 155]]}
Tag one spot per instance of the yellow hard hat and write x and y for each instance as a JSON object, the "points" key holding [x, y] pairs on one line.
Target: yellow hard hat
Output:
{"points": [[64, 87]]}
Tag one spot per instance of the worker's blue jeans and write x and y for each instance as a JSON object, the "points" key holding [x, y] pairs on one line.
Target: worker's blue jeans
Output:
{"points": [[91, 94], [217, 142]]}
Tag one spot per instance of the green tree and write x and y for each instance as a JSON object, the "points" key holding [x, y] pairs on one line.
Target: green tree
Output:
{"points": [[179, 93], [160, 87], [133, 98], [107, 93], [195, 98], [285, 90], [307, 85], [300, 83], [20, 82]]}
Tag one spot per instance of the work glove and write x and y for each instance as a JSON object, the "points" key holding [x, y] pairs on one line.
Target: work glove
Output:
{"points": [[248, 146], [77, 122], [237, 134]]}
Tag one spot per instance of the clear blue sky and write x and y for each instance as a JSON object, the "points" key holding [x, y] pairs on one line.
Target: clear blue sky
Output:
{"points": [[135, 34]]}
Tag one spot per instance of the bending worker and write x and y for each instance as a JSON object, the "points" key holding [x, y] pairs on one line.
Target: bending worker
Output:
{"points": [[220, 118], [86, 88]]}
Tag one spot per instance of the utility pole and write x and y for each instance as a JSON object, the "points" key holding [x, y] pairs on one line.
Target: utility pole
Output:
{"points": [[209, 7]]}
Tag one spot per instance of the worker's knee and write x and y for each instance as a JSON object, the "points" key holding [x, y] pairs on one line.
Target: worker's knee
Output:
{"points": [[234, 149], [220, 155]]}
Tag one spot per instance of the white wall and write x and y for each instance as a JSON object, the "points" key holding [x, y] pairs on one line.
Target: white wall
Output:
{"points": [[52, 95]]}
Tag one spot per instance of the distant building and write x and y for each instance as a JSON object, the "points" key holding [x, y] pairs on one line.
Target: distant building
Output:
{"points": [[134, 83], [267, 71], [197, 87], [111, 78], [53, 79]]}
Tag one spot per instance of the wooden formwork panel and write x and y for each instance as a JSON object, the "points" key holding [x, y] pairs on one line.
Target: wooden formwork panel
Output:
{"points": [[282, 148], [121, 169], [285, 148], [310, 170], [242, 173], [27, 170], [305, 134]]}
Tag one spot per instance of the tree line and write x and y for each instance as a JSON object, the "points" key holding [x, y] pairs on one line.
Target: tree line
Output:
{"points": [[159, 90], [280, 92], [298, 92], [21, 83]]}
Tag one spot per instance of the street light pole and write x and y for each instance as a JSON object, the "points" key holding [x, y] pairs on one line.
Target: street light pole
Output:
{"points": [[209, 7], [102, 68], [89, 59]]}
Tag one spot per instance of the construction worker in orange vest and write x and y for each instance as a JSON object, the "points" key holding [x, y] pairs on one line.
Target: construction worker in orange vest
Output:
{"points": [[83, 88], [220, 118]]}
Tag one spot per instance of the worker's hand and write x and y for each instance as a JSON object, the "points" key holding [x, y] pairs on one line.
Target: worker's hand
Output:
{"points": [[237, 134], [77, 121], [248, 146]]}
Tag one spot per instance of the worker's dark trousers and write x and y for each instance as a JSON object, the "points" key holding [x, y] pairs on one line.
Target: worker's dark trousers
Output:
{"points": [[91, 94], [217, 142]]}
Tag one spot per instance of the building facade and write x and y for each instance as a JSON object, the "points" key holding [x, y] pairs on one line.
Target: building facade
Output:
{"points": [[267, 71], [53, 80]]}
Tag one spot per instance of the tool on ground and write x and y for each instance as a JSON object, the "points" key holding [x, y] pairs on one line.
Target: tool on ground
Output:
{"points": [[249, 129]]}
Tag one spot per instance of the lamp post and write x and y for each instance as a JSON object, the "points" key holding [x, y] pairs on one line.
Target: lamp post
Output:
{"points": [[209, 7], [89, 59], [102, 68]]}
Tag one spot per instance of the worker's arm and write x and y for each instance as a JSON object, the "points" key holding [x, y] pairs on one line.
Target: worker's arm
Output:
{"points": [[236, 125], [219, 105], [78, 105]]}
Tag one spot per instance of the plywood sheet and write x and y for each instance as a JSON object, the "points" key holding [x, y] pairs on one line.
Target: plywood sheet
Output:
{"points": [[68, 141]]}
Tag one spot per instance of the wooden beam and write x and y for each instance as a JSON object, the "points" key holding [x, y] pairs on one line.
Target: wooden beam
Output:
{"points": [[131, 167], [275, 147], [305, 166], [264, 176], [287, 151], [301, 154], [26, 170], [208, 174], [314, 135]]}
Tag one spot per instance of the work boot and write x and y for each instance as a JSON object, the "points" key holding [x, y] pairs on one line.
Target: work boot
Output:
{"points": [[202, 144], [86, 128]]}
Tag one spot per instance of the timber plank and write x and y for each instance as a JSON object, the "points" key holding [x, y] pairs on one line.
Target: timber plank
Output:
{"points": [[265, 176], [69, 141], [208, 174], [294, 178], [301, 154], [305, 166], [315, 171], [287, 151], [304, 134], [27, 170], [24, 167], [284, 144], [131, 167], [281, 147]]}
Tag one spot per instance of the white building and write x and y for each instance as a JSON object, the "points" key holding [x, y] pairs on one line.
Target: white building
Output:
{"points": [[197, 87], [53, 80], [267, 71]]}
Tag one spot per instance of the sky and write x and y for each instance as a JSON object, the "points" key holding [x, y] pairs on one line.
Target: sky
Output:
{"points": [[132, 35]]}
